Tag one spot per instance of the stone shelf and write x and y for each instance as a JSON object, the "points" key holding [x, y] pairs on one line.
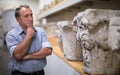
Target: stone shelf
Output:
{"points": [[63, 5]]}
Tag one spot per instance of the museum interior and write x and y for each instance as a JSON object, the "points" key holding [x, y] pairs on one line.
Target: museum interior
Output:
{"points": [[85, 34]]}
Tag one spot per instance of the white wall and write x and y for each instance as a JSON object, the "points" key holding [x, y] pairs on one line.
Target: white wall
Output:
{"points": [[12, 4]]}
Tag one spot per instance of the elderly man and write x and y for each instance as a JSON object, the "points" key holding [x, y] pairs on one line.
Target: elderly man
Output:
{"points": [[28, 45]]}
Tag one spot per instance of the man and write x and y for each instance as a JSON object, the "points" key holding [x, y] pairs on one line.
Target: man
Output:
{"points": [[28, 45]]}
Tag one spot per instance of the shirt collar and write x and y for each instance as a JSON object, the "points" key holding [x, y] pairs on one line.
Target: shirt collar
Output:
{"points": [[20, 30]]}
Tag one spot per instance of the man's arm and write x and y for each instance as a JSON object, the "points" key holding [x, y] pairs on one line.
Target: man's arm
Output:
{"points": [[42, 53], [21, 49]]}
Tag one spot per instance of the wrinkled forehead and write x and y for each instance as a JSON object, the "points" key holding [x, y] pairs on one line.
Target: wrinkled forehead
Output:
{"points": [[23, 10]]}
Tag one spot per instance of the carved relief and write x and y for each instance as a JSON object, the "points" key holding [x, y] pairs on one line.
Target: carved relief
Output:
{"points": [[99, 34], [71, 48]]}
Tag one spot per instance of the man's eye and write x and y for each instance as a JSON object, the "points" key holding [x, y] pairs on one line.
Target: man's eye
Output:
{"points": [[26, 15], [31, 14]]}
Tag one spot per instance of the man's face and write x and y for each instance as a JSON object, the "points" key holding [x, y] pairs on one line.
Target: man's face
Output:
{"points": [[26, 17]]}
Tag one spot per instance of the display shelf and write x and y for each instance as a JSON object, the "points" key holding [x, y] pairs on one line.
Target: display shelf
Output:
{"points": [[76, 65], [64, 4]]}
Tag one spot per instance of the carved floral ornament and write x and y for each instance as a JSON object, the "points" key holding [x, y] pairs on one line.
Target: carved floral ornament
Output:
{"points": [[98, 32]]}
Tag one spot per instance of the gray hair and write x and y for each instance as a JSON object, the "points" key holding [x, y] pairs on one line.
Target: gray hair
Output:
{"points": [[17, 10]]}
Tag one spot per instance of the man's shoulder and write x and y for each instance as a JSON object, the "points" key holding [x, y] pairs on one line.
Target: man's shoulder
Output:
{"points": [[12, 31]]}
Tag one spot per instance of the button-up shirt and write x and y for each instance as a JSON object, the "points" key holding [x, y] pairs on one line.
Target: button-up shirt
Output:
{"points": [[40, 40]]}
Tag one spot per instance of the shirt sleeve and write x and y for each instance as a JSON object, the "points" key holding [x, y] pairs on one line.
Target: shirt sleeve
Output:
{"points": [[11, 43], [45, 41]]}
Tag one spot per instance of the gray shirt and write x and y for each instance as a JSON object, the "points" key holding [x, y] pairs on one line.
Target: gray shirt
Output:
{"points": [[40, 40]]}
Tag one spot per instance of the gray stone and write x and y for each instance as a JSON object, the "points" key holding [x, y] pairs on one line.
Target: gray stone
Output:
{"points": [[99, 35]]}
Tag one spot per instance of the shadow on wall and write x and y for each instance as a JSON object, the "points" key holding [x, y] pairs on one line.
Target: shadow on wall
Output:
{"points": [[8, 22]]}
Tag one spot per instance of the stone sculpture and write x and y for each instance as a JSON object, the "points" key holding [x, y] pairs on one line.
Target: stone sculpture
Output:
{"points": [[71, 48], [98, 31]]}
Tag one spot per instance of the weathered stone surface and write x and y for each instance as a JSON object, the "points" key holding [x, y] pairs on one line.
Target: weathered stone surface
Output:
{"points": [[71, 48], [99, 34]]}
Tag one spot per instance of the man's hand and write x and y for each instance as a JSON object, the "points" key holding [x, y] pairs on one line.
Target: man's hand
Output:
{"points": [[30, 31]]}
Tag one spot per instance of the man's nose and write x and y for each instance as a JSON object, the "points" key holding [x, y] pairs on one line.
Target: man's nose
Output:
{"points": [[30, 18]]}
